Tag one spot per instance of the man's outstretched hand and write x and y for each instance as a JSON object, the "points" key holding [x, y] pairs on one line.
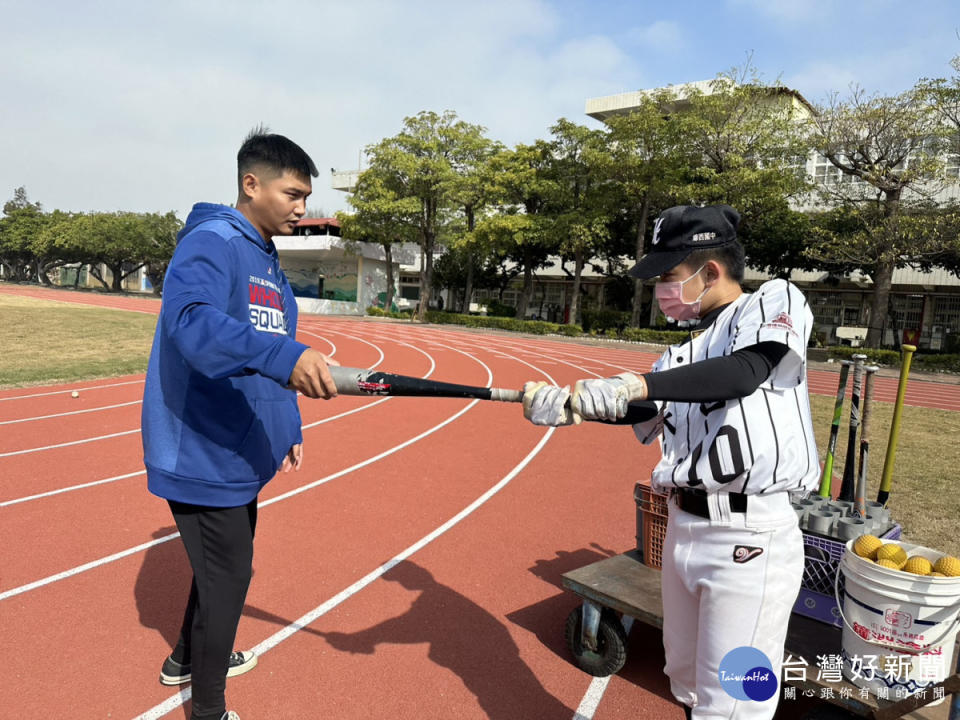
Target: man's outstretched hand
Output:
{"points": [[311, 377]]}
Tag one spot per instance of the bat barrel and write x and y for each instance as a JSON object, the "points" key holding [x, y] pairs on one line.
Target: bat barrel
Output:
{"points": [[887, 475], [359, 381]]}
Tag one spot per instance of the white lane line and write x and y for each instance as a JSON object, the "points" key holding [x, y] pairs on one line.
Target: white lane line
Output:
{"points": [[72, 412], [67, 444], [83, 568], [598, 686], [69, 390], [302, 427], [124, 553], [15, 501], [333, 348], [176, 701]]}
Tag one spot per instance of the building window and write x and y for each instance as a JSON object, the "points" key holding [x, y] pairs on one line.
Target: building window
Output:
{"points": [[907, 310], [946, 312], [826, 308], [952, 168]]}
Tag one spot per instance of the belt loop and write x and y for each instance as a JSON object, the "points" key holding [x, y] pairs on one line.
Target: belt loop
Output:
{"points": [[719, 506]]}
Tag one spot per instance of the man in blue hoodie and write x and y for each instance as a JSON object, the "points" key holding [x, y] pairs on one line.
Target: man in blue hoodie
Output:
{"points": [[220, 415]]}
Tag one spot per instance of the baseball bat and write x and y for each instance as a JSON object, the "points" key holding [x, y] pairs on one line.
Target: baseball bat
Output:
{"points": [[826, 479], [358, 381], [860, 497], [849, 467], [887, 477]]}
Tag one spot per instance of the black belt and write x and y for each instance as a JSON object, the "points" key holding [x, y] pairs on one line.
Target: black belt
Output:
{"points": [[694, 501]]}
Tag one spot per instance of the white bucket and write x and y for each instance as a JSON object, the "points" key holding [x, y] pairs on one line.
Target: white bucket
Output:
{"points": [[911, 619]]}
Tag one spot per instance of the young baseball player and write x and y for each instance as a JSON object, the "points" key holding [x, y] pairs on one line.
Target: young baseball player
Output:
{"points": [[730, 408]]}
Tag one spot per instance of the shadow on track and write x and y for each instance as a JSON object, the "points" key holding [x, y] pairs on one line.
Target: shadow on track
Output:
{"points": [[465, 639], [547, 619]]}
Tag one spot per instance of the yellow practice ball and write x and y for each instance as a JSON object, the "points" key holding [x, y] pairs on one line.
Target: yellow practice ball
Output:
{"points": [[948, 565], [918, 565], [883, 562], [892, 552], [866, 546]]}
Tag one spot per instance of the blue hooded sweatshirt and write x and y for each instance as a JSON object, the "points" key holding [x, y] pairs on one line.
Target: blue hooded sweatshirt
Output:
{"points": [[218, 418]]}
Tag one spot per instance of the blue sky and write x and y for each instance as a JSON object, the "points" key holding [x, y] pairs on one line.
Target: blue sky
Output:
{"points": [[141, 106]]}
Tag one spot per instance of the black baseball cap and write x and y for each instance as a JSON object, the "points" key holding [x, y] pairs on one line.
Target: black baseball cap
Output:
{"points": [[682, 230]]}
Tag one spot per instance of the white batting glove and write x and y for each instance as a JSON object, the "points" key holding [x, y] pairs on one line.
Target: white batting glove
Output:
{"points": [[545, 404], [606, 398]]}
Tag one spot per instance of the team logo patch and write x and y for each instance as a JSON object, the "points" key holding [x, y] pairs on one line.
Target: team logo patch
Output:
{"points": [[745, 553], [266, 307], [783, 319], [782, 322]]}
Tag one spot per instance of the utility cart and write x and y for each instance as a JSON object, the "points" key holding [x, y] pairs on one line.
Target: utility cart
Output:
{"points": [[626, 585]]}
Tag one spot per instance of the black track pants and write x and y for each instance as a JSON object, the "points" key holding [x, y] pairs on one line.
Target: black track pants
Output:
{"points": [[219, 543]]}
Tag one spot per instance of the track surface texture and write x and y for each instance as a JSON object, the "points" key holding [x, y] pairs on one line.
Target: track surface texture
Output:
{"points": [[411, 569]]}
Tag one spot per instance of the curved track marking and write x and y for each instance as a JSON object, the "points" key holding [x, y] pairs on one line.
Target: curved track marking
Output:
{"points": [[63, 392], [177, 700], [39, 496], [71, 412], [130, 551], [302, 427], [68, 444]]}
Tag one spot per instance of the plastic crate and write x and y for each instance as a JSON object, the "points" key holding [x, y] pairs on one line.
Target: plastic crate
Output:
{"points": [[651, 524], [816, 599]]}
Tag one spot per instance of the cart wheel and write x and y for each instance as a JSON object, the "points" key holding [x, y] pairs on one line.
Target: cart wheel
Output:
{"points": [[611, 651]]}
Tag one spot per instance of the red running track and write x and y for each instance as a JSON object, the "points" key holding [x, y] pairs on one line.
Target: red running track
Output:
{"points": [[409, 570]]}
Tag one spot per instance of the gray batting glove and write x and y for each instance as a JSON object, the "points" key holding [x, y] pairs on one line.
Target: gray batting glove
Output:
{"points": [[606, 398], [545, 404]]}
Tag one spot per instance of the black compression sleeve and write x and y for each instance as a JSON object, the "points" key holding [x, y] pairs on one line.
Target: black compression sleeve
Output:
{"points": [[637, 412], [722, 378]]}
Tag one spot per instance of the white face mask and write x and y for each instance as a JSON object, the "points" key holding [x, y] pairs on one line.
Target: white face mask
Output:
{"points": [[670, 298]]}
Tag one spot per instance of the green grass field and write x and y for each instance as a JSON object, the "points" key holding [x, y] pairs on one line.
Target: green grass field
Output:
{"points": [[55, 342], [922, 497], [47, 342]]}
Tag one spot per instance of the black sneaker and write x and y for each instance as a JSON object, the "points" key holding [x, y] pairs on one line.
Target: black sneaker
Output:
{"points": [[230, 715], [173, 673]]}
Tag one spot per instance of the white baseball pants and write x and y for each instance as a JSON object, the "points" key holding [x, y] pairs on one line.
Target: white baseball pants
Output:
{"points": [[712, 604]]}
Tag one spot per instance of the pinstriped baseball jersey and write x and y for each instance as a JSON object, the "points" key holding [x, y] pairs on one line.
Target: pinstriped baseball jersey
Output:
{"points": [[761, 443]]}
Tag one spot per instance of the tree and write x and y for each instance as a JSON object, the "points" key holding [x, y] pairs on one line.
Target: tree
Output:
{"points": [[581, 207], [524, 192], [19, 228], [887, 155], [48, 253], [380, 217], [750, 143], [648, 160], [420, 163], [123, 242], [470, 190]]}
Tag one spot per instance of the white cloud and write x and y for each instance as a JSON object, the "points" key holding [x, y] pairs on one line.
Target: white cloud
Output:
{"points": [[663, 36], [143, 107], [788, 11]]}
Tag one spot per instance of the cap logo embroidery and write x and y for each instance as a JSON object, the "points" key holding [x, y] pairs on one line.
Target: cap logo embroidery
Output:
{"points": [[656, 231], [700, 237]]}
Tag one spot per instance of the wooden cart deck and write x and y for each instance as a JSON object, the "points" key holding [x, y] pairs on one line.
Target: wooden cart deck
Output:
{"points": [[626, 585]]}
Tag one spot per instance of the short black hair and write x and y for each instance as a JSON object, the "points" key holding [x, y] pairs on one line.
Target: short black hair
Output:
{"points": [[261, 148], [731, 256]]}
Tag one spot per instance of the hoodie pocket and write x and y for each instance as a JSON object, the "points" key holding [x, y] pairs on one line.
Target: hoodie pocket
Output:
{"points": [[269, 437]]}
